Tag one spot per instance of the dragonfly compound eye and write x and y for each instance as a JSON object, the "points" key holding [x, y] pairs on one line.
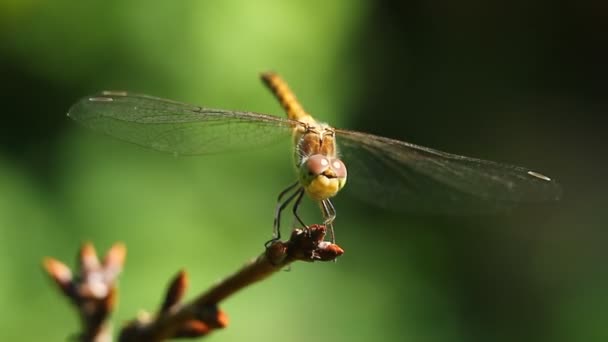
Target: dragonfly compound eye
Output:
{"points": [[317, 164], [338, 168]]}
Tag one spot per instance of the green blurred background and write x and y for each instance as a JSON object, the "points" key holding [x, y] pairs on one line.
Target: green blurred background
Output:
{"points": [[523, 83]]}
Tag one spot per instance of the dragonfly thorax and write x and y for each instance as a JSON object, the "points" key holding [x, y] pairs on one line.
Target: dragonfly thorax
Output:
{"points": [[314, 138]]}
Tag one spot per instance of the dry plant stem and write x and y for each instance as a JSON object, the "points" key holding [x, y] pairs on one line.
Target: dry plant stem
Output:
{"points": [[201, 316], [92, 289]]}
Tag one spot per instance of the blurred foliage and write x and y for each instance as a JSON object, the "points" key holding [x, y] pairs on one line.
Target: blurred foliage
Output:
{"points": [[521, 83]]}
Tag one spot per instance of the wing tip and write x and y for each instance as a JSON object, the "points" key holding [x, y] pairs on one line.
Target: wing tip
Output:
{"points": [[556, 189], [76, 112]]}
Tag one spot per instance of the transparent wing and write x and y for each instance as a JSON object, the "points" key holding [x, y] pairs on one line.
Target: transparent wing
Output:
{"points": [[404, 176], [175, 127]]}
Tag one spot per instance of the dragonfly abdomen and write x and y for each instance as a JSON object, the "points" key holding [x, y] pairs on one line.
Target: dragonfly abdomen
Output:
{"points": [[286, 97]]}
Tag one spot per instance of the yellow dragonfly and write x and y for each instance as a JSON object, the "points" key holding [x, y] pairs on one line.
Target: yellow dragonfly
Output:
{"points": [[394, 173]]}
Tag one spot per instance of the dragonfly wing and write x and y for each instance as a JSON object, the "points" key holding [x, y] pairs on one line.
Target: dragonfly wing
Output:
{"points": [[175, 127], [404, 176]]}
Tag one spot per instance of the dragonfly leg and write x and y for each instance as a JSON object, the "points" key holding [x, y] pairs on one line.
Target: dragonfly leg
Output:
{"points": [[281, 204], [286, 190], [329, 215], [296, 205]]}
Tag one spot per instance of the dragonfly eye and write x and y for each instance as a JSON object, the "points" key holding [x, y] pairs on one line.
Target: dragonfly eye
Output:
{"points": [[317, 164], [339, 168]]}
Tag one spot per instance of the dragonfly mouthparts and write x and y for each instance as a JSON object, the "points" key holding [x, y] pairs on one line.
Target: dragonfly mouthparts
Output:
{"points": [[329, 174]]}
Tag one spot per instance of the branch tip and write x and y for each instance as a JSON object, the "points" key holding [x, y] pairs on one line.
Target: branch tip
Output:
{"points": [[305, 245], [87, 258], [175, 292], [57, 270], [221, 319], [92, 290], [116, 256]]}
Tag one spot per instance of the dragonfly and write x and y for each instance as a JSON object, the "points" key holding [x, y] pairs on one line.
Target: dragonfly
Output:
{"points": [[392, 173]]}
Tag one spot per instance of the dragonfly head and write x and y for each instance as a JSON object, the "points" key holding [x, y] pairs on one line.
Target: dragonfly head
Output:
{"points": [[322, 176]]}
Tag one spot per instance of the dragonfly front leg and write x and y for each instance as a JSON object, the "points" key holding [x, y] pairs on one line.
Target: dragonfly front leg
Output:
{"points": [[296, 205], [329, 215], [281, 204]]}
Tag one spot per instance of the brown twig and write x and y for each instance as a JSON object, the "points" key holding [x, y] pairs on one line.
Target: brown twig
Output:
{"points": [[92, 289], [201, 315]]}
